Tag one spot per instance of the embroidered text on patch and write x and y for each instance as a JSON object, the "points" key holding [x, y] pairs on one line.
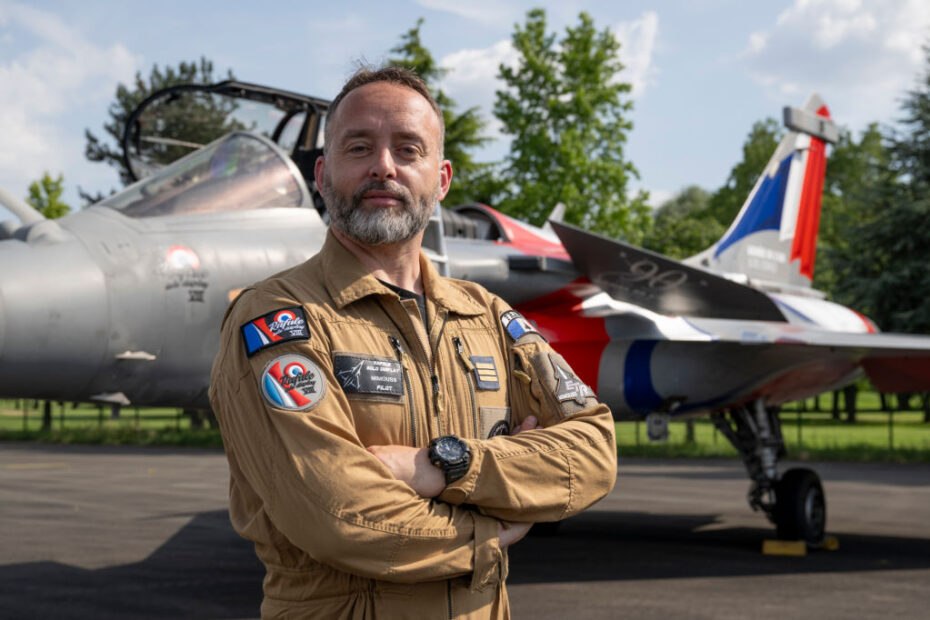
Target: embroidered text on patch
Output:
{"points": [[369, 375], [279, 326], [569, 387], [293, 382]]}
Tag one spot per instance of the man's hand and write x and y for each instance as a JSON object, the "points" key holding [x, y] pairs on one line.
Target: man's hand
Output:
{"points": [[412, 465], [527, 425], [510, 532]]}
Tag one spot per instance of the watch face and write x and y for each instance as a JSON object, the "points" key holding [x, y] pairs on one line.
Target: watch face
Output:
{"points": [[450, 449]]}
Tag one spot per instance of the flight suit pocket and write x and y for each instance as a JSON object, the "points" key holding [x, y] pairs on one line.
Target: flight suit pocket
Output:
{"points": [[494, 421], [377, 393]]}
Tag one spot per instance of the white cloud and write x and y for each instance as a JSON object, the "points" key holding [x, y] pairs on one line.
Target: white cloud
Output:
{"points": [[638, 41], [485, 11], [41, 84], [473, 81], [861, 55]]}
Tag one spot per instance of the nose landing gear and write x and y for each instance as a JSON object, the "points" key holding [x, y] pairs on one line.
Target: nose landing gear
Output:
{"points": [[794, 502]]}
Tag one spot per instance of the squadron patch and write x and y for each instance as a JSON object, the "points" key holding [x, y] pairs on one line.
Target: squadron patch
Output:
{"points": [[516, 325], [485, 372], [568, 386], [369, 375], [293, 382], [501, 428], [274, 328]]}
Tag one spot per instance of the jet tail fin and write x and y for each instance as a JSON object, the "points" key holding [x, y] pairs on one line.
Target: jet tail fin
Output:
{"points": [[773, 239]]}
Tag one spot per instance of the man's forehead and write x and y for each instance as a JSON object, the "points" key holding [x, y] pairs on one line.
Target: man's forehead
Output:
{"points": [[379, 103]]}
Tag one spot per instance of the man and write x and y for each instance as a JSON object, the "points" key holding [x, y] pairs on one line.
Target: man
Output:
{"points": [[390, 432]]}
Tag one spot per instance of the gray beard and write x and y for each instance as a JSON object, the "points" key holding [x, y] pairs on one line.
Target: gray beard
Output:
{"points": [[378, 226]]}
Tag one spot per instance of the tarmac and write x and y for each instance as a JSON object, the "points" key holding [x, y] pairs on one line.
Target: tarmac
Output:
{"points": [[132, 533]]}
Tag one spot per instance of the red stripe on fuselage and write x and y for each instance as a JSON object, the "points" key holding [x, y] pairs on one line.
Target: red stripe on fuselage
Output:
{"points": [[580, 340]]}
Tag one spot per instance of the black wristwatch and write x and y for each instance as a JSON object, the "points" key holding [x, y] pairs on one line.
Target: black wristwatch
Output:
{"points": [[451, 455]]}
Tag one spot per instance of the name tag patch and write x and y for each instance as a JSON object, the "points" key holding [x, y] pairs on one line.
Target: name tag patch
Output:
{"points": [[369, 375], [293, 382], [485, 372], [274, 328], [516, 325]]}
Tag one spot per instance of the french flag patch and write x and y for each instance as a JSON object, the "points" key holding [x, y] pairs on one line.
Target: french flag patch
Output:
{"points": [[274, 328]]}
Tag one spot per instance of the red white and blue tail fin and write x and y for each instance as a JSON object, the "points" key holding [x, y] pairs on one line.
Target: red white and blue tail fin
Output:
{"points": [[773, 240]]}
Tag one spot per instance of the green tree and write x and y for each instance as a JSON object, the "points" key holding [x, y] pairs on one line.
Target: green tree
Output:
{"points": [[881, 269], [45, 196], [198, 120], [681, 226], [761, 142], [463, 130], [567, 112]]}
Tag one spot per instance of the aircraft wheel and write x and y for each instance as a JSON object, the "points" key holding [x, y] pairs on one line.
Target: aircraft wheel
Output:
{"points": [[800, 507]]}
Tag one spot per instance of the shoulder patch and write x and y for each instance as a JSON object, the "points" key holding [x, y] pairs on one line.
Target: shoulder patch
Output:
{"points": [[568, 386], [368, 374], [282, 325], [293, 382], [517, 326]]}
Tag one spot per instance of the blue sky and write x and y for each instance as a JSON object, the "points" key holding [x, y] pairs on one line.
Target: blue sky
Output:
{"points": [[702, 71]]}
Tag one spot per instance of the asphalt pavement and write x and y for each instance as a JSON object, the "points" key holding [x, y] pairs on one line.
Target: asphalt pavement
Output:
{"points": [[132, 533]]}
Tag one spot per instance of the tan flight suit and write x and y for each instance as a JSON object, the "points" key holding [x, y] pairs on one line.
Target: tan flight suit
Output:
{"points": [[340, 537]]}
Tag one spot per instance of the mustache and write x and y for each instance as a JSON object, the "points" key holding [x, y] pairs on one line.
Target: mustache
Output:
{"points": [[395, 189]]}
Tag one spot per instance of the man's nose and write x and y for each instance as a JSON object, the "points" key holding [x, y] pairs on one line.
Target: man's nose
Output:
{"points": [[384, 166]]}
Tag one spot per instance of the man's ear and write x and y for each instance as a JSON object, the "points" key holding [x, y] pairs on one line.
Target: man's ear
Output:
{"points": [[319, 169], [445, 178]]}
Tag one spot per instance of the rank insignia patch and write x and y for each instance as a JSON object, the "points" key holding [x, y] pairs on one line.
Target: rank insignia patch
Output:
{"points": [[293, 382], [485, 372], [516, 325], [274, 328], [369, 375]]}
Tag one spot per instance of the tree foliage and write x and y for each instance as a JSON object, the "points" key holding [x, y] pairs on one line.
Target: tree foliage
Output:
{"points": [[45, 196], [566, 110], [880, 268], [197, 119], [761, 142], [463, 130], [682, 227]]}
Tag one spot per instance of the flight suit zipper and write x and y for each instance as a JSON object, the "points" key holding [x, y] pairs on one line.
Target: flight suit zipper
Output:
{"points": [[433, 377], [469, 378], [402, 358], [449, 597]]}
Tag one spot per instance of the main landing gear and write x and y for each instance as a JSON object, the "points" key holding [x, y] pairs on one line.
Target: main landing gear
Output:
{"points": [[794, 502]]}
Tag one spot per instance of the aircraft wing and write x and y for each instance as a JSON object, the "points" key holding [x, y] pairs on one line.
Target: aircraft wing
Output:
{"points": [[659, 283]]}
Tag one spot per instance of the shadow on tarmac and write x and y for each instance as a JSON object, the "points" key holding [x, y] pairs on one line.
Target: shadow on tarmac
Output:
{"points": [[207, 571]]}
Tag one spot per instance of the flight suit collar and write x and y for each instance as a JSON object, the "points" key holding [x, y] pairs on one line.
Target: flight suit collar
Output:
{"points": [[347, 280]]}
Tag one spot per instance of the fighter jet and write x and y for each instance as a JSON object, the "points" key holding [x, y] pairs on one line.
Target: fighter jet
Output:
{"points": [[121, 302]]}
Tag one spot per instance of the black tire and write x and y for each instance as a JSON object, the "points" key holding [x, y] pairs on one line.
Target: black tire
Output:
{"points": [[801, 507]]}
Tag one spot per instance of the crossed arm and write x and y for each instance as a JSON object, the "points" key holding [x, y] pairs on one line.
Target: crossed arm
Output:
{"points": [[412, 466]]}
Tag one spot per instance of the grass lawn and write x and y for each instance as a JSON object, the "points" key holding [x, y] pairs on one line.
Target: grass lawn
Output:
{"points": [[808, 435]]}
